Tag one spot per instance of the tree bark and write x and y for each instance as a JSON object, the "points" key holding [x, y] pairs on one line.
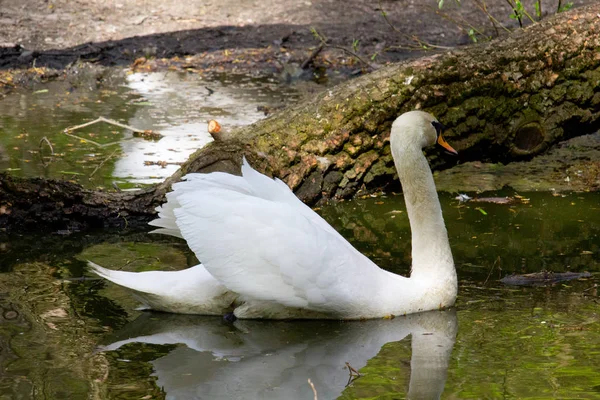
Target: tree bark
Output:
{"points": [[508, 99]]}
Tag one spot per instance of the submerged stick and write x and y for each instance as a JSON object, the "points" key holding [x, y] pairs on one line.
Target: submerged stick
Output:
{"points": [[108, 121], [147, 133], [102, 163], [47, 141]]}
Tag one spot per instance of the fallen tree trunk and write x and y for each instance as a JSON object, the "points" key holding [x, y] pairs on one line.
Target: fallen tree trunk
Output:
{"points": [[504, 100]]}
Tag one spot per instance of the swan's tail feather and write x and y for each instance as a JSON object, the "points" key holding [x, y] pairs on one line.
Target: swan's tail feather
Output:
{"points": [[130, 280], [122, 278], [188, 291], [156, 283]]}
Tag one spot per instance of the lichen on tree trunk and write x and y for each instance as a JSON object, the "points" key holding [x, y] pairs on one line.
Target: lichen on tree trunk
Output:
{"points": [[509, 99]]}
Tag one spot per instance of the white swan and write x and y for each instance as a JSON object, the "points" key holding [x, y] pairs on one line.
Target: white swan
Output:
{"points": [[265, 254]]}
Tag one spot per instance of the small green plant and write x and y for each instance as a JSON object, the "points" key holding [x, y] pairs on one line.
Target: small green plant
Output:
{"points": [[355, 43], [473, 35], [473, 32], [564, 7], [519, 11], [315, 33], [538, 9]]}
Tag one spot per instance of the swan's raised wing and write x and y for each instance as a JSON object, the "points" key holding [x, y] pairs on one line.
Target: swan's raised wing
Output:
{"points": [[260, 241], [276, 190], [166, 218], [251, 183]]}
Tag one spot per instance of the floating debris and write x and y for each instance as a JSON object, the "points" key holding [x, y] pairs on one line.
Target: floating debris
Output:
{"points": [[148, 134], [162, 164], [463, 198], [542, 278]]}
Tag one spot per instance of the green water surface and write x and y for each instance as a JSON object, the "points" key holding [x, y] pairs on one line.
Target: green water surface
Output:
{"points": [[65, 334], [502, 341]]}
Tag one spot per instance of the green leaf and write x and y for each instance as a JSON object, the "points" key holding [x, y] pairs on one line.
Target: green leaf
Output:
{"points": [[566, 7], [440, 3], [481, 210]]}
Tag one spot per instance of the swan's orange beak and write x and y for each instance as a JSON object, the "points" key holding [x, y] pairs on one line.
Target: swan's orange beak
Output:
{"points": [[445, 145]]}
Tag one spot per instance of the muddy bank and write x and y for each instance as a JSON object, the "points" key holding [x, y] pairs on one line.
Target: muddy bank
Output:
{"points": [[245, 37]]}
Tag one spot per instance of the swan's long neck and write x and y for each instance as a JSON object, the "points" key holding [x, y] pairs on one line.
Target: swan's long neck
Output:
{"points": [[431, 254]]}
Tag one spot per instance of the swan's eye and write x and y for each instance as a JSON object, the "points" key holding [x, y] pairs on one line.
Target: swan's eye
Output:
{"points": [[439, 128]]}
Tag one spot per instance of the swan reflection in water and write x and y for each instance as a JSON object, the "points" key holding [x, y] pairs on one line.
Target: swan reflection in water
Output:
{"points": [[253, 359]]}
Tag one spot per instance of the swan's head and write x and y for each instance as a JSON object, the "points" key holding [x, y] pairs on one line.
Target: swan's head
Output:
{"points": [[418, 128]]}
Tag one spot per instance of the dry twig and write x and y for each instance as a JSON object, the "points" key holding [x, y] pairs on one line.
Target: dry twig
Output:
{"points": [[312, 56], [89, 140], [313, 389], [492, 269], [324, 42], [354, 374], [495, 23], [108, 121], [421, 43]]}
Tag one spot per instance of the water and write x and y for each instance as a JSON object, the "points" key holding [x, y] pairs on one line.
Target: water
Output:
{"points": [[176, 105], [499, 342]]}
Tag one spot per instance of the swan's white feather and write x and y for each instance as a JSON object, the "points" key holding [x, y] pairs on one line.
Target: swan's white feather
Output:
{"points": [[166, 217], [189, 291], [270, 256], [268, 250]]}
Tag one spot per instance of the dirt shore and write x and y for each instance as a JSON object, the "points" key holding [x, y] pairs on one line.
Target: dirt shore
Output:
{"points": [[248, 36]]}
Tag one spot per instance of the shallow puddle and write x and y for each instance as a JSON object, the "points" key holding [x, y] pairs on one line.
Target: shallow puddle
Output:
{"points": [[176, 105], [499, 342]]}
